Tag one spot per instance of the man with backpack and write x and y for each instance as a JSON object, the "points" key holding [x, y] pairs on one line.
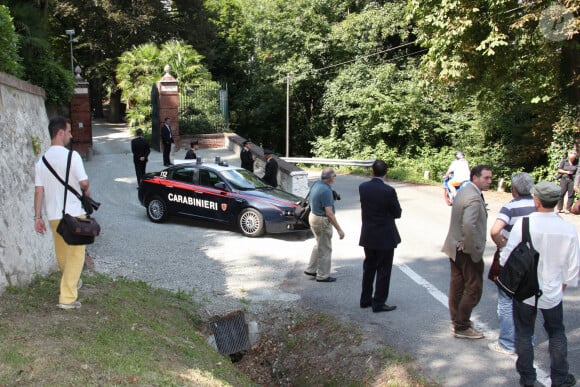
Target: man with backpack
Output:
{"points": [[556, 241]]}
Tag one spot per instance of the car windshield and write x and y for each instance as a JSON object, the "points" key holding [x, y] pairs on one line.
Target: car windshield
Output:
{"points": [[243, 179]]}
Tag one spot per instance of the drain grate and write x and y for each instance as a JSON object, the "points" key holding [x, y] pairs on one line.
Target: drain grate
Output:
{"points": [[231, 333]]}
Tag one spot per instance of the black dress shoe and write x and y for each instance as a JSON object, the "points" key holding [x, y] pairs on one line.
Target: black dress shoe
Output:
{"points": [[363, 305], [384, 308], [570, 381], [327, 279], [310, 274]]}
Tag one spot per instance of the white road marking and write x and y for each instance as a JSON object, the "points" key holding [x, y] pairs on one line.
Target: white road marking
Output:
{"points": [[542, 377]]}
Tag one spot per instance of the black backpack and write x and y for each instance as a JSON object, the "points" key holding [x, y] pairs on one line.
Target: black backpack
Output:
{"points": [[519, 277]]}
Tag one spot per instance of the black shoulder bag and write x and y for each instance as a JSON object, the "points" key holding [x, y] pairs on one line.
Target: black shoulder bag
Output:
{"points": [[74, 231], [519, 277]]}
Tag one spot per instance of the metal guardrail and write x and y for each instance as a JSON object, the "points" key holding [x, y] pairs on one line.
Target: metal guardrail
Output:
{"points": [[308, 160]]}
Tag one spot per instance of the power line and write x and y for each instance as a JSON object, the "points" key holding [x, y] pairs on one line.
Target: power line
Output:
{"points": [[356, 59]]}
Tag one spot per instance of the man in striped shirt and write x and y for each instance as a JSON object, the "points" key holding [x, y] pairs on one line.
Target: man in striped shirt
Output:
{"points": [[521, 205]]}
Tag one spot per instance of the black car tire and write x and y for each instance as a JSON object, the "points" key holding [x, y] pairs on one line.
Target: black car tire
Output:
{"points": [[157, 209], [251, 222]]}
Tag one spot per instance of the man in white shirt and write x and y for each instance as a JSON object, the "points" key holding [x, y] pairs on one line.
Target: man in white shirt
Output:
{"points": [[51, 191], [460, 170], [557, 243]]}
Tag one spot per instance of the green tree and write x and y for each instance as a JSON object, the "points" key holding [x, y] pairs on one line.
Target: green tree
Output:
{"points": [[39, 65], [104, 30], [9, 58], [141, 67], [497, 52]]}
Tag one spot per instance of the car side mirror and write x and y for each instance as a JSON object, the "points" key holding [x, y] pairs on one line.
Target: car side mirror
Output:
{"points": [[221, 185]]}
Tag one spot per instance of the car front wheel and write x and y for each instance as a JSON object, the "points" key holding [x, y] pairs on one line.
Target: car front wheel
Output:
{"points": [[251, 222], [157, 209]]}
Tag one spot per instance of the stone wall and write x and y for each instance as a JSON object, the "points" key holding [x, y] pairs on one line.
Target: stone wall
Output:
{"points": [[23, 130]]}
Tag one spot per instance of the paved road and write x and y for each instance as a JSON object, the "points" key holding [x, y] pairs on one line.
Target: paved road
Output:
{"points": [[227, 271]]}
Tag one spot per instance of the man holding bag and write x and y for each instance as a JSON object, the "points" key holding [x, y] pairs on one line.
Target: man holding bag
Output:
{"points": [[70, 258]]}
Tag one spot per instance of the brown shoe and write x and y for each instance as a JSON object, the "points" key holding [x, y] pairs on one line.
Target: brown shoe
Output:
{"points": [[469, 333]]}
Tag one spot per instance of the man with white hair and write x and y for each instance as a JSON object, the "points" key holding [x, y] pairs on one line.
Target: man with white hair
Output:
{"points": [[322, 219], [556, 241], [521, 205]]}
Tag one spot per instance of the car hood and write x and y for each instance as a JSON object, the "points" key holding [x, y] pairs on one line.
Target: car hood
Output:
{"points": [[272, 194]]}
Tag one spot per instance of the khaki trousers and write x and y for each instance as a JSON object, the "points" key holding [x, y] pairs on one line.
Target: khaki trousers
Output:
{"points": [[70, 260], [322, 250]]}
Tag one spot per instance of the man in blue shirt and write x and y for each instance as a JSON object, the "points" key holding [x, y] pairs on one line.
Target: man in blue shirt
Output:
{"points": [[322, 219]]}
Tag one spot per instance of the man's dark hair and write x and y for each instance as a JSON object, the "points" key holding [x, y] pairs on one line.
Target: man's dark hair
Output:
{"points": [[478, 170], [548, 203], [57, 123], [379, 168]]}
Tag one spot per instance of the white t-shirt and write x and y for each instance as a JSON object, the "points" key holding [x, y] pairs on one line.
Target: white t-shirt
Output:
{"points": [[460, 169], [57, 156]]}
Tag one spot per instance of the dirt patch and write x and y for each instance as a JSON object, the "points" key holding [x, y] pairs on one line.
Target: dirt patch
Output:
{"points": [[306, 348]]}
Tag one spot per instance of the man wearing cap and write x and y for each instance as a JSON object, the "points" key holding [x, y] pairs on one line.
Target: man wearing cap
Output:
{"points": [[246, 156], [193, 146], [271, 174], [140, 149], [464, 246], [557, 243], [322, 219]]}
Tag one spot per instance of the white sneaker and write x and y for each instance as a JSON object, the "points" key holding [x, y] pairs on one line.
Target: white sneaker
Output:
{"points": [[497, 347], [72, 305]]}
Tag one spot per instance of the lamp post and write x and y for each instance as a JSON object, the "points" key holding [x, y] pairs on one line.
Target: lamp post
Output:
{"points": [[70, 34]]}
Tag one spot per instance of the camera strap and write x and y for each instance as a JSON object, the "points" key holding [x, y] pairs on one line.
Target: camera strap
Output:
{"points": [[71, 189]]}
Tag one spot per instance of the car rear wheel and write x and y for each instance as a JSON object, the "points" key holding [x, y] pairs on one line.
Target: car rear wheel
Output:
{"points": [[251, 222], [157, 209]]}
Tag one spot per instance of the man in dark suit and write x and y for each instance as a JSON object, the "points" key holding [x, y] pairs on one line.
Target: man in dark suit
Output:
{"points": [[141, 150], [379, 237], [464, 245], [166, 140], [246, 156], [271, 174]]}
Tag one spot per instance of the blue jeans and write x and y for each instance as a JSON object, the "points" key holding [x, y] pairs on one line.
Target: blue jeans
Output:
{"points": [[507, 329], [525, 319]]}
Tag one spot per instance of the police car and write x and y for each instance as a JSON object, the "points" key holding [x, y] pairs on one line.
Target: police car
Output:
{"points": [[219, 193]]}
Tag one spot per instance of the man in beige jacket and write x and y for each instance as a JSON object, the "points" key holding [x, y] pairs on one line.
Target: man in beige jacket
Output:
{"points": [[464, 245]]}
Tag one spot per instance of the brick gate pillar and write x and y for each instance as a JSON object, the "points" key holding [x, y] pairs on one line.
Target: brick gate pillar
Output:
{"points": [[168, 104], [80, 116]]}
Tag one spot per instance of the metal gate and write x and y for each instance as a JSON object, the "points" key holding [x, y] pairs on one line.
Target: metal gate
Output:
{"points": [[203, 109]]}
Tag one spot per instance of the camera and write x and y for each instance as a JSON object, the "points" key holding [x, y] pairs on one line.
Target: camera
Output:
{"points": [[335, 195], [89, 204]]}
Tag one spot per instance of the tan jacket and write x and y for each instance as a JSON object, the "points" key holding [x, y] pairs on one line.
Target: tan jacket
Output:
{"points": [[468, 227]]}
